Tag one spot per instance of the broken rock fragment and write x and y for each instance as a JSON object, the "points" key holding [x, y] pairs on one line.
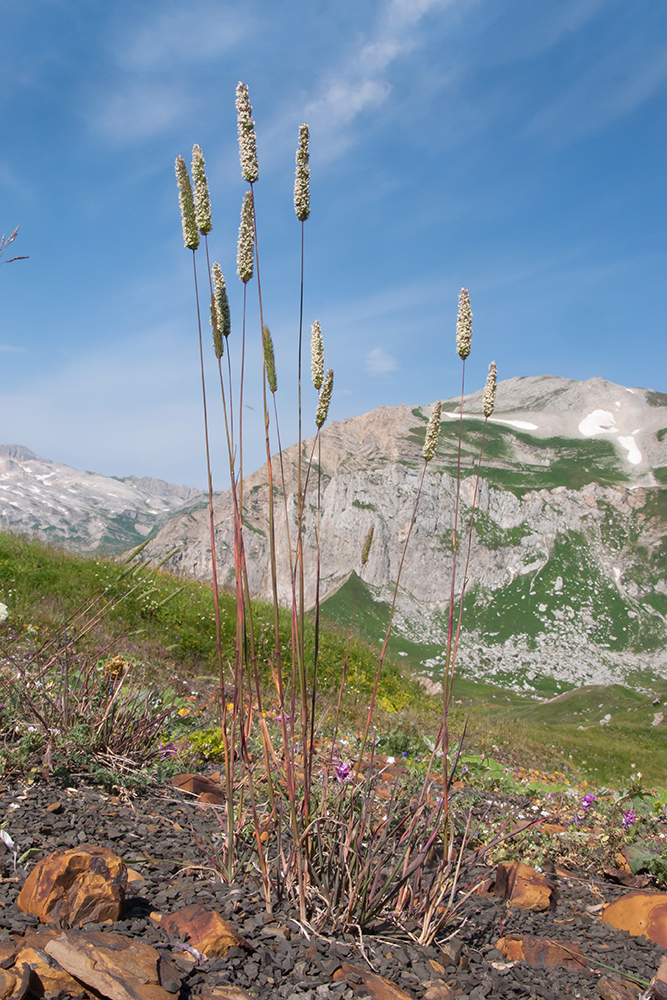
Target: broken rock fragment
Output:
{"points": [[205, 930], [544, 953], [640, 913], [368, 984], [524, 887], [75, 885], [117, 966]]}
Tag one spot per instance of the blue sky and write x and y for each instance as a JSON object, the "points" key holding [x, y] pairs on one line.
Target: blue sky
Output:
{"points": [[516, 147]]}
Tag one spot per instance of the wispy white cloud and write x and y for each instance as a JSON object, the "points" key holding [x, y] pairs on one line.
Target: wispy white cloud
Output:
{"points": [[11, 349], [142, 95], [360, 83], [378, 362], [175, 33], [139, 109]]}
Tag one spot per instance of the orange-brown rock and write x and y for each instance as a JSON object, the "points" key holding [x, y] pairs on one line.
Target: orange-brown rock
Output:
{"points": [[439, 991], [117, 966], [7, 984], [7, 951], [198, 784], [365, 982], [215, 798], [21, 973], [75, 886], [640, 913], [205, 929], [524, 887], [34, 939], [223, 993], [51, 978], [609, 989], [658, 988], [544, 953]]}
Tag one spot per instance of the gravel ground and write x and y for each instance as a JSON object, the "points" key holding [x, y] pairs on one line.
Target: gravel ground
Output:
{"points": [[154, 836]]}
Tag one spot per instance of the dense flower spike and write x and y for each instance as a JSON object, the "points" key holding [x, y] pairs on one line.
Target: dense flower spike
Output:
{"points": [[245, 255], [302, 179], [247, 142], [365, 552], [489, 396], [269, 360], [464, 325], [220, 318], [325, 399], [186, 201], [317, 355], [432, 432], [202, 199]]}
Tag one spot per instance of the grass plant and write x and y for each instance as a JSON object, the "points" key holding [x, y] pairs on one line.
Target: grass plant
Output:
{"points": [[322, 807]]}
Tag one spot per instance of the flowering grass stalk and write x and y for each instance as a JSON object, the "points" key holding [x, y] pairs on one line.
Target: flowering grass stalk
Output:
{"points": [[321, 827]]}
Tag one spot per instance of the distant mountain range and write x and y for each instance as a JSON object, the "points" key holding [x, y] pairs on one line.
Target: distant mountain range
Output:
{"points": [[566, 583], [82, 510]]}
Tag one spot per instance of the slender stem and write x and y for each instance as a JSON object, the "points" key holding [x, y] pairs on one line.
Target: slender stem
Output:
{"points": [[383, 653], [450, 623], [214, 569], [465, 571]]}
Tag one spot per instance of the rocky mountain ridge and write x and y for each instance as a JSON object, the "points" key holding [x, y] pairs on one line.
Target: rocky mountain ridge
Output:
{"points": [[82, 510], [569, 543], [567, 576]]}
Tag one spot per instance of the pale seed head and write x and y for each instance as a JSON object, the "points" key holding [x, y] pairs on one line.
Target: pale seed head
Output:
{"points": [[245, 255], [489, 396], [302, 179], [464, 325], [186, 201], [269, 359], [317, 355], [365, 552], [432, 432], [220, 318], [202, 199], [325, 398], [247, 141]]}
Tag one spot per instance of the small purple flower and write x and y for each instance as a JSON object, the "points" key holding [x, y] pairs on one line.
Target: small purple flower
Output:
{"points": [[343, 771], [167, 751], [584, 806], [629, 819]]}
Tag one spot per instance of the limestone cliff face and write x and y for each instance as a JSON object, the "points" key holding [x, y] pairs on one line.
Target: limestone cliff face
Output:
{"points": [[566, 549]]}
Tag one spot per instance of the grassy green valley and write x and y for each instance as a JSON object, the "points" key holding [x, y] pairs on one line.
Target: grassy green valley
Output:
{"points": [[165, 627]]}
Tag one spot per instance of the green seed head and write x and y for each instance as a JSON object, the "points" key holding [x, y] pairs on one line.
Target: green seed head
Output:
{"points": [[245, 256], [317, 355], [202, 199], [365, 552], [489, 397], [464, 325], [247, 142], [325, 398], [269, 360], [302, 179], [220, 318], [432, 432], [186, 201]]}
